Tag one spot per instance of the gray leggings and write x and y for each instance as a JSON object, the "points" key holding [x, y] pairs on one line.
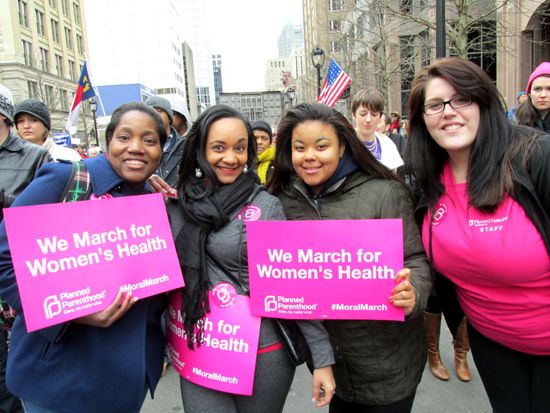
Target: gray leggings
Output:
{"points": [[272, 380]]}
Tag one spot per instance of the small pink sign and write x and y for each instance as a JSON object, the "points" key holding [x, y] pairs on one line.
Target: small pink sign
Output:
{"points": [[226, 360], [72, 259], [325, 269]]}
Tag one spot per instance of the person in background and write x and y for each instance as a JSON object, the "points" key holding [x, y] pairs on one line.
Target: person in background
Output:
{"points": [[522, 97], [19, 162], [182, 120], [266, 151], [398, 140], [33, 123], [322, 171], [395, 126], [216, 182], [168, 169], [105, 361], [485, 187], [367, 109], [534, 112]]}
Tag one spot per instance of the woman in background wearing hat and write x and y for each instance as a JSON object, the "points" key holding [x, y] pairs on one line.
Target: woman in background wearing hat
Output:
{"points": [[33, 123], [266, 151], [535, 110]]}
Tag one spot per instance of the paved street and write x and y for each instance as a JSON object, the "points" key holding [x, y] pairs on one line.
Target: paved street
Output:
{"points": [[433, 396]]}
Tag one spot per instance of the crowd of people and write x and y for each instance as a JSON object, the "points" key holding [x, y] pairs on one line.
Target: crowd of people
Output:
{"points": [[469, 181]]}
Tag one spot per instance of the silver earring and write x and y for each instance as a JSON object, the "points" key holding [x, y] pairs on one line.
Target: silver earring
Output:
{"points": [[245, 169], [198, 172]]}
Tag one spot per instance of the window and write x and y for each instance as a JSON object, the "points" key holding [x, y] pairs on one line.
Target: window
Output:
{"points": [[406, 67], [482, 47], [68, 38], [48, 96], [33, 89], [79, 43], [72, 70], [55, 30], [27, 53], [63, 100], [335, 5], [335, 46], [59, 65], [334, 25], [40, 22], [53, 3], [406, 6], [22, 12], [44, 59], [76, 12], [65, 8]]}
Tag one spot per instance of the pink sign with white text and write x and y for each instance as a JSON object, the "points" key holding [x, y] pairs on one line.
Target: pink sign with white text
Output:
{"points": [[72, 259], [226, 359], [325, 269]]}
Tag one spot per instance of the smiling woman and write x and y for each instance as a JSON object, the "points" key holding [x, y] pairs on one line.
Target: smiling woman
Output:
{"points": [[120, 349]]}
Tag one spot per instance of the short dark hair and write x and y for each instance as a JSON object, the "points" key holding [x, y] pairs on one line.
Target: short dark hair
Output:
{"points": [[305, 112], [194, 150], [371, 99], [140, 107]]}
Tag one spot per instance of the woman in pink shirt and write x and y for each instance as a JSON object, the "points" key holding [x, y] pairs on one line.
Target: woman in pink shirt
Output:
{"points": [[485, 187]]}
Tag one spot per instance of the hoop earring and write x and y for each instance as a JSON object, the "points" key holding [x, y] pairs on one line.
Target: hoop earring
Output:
{"points": [[245, 169], [198, 173]]}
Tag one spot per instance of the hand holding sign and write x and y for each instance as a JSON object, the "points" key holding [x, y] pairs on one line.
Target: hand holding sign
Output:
{"points": [[404, 294], [111, 314]]}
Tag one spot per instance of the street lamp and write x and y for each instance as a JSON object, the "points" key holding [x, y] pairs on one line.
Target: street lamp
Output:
{"points": [[93, 108], [318, 60], [291, 94]]}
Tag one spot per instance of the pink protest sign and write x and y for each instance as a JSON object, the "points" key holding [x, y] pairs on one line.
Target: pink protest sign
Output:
{"points": [[324, 269], [226, 359], [72, 259]]}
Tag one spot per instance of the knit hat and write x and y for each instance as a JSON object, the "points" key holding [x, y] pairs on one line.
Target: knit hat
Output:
{"points": [[35, 108], [264, 126], [6, 103], [542, 69], [158, 102]]}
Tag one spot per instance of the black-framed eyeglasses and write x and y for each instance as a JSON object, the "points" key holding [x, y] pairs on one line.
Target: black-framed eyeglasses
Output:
{"points": [[438, 107]]}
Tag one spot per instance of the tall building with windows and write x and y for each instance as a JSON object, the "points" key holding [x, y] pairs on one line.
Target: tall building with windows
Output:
{"points": [[291, 37], [217, 72], [43, 44]]}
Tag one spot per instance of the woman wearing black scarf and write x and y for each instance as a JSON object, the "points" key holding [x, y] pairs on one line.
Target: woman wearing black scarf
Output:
{"points": [[323, 171], [216, 183]]}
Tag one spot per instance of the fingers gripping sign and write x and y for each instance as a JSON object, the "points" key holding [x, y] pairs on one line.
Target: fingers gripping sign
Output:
{"points": [[404, 294], [106, 318]]}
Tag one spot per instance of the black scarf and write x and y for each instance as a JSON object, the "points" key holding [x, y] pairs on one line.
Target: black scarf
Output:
{"points": [[346, 167], [201, 216]]}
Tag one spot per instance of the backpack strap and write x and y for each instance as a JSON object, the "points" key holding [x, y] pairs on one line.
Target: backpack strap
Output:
{"points": [[78, 187]]}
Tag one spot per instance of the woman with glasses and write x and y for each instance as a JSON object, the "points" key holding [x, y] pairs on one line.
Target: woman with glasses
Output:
{"points": [[534, 112], [485, 187]]}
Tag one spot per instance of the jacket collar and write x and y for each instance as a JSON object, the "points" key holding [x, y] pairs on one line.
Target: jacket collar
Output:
{"points": [[13, 143], [103, 176]]}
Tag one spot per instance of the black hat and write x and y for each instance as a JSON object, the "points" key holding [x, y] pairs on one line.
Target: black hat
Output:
{"points": [[264, 126], [35, 108]]}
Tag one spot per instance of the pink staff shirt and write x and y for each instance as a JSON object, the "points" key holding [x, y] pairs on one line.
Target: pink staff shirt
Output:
{"points": [[500, 265]]}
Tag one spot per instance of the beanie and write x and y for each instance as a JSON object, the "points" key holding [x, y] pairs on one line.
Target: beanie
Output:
{"points": [[35, 108], [158, 102], [6, 103], [264, 126], [542, 69]]}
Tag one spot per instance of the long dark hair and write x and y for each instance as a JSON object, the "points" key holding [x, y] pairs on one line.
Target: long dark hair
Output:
{"points": [[140, 107], [346, 135], [194, 149], [498, 142]]}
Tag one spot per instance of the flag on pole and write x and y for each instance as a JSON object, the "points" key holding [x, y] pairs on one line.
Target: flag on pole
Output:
{"points": [[84, 91], [335, 83]]}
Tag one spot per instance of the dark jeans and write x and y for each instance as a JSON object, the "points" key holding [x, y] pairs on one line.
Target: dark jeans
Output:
{"points": [[337, 405], [8, 402], [514, 381]]}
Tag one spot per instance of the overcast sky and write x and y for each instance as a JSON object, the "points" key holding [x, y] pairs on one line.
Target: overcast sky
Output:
{"points": [[245, 33]]}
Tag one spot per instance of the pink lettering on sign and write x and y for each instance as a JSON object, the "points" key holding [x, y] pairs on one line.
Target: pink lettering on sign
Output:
{"points": [[325, 269], [226, 359], [72, 259]]}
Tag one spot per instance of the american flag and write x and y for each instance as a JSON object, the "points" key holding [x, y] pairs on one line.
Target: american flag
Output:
{"points": [[336, 82]]}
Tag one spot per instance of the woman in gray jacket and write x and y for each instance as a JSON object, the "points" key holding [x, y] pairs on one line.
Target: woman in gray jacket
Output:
{"points": [[322, 171]]}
